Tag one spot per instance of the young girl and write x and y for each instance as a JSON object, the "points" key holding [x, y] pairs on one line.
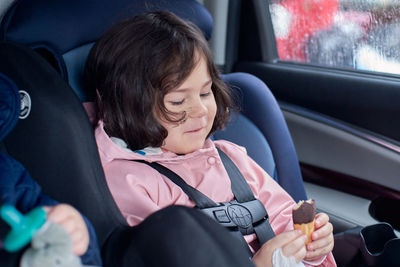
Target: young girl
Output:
{"points": [[159, 98]]}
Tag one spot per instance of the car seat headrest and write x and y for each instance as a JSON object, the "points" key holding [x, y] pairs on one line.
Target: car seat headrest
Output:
{"points": [[67, 24], [9, 105], [63, 31]]}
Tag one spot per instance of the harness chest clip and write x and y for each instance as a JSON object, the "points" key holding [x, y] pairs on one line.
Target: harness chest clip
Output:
{"points": [[241, 215]]}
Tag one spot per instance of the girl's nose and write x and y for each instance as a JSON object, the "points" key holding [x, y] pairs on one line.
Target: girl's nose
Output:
{"points": [[198, 109]]}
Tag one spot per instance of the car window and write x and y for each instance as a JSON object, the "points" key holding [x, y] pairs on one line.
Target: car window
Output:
{"points": [[355, 34]]}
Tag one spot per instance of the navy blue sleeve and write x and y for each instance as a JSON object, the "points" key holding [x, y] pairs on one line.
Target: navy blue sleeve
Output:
{"points": [[92, 255], [19, 189]]}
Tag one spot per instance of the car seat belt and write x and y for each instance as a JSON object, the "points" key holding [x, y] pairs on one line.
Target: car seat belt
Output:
{"points": [[243, 194], [245, 212]]}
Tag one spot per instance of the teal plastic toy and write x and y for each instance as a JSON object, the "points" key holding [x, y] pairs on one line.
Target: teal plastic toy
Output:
{"points": [[23, 227]]}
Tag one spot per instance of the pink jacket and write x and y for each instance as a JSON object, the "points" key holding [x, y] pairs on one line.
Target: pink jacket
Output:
{"points": [[139, 190]]}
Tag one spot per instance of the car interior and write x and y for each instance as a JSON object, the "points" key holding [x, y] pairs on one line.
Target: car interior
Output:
{"points": [[298, 138]]}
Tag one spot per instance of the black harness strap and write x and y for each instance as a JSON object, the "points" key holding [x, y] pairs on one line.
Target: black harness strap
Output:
{"points": [[240, 188], [201, 200], [243, 193], [245, 213]]}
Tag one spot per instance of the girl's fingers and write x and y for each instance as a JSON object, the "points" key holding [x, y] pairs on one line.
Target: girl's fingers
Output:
{"points": [[322, 242], [322, 232], [263, 256], [284, 238], [301, 254], [290, 249], [322, 238], [320, 252], [321, 219]]}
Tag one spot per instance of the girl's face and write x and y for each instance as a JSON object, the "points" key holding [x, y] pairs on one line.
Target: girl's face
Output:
{"points": [[195, 97]]}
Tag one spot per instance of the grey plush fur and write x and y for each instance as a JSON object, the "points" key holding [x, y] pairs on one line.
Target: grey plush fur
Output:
{"points": [[51, 246]]}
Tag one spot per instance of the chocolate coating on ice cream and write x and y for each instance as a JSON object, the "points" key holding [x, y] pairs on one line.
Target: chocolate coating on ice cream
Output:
{"points": [[305, 213]]}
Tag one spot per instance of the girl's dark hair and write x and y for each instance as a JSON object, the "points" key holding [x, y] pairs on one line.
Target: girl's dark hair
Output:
{"points": [[135, 64]]}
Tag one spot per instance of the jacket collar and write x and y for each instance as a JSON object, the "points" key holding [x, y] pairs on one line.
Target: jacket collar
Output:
{"points": [[111, 151]]}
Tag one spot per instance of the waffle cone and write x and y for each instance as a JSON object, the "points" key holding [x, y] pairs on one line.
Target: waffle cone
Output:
{"points": [[306, 228]]}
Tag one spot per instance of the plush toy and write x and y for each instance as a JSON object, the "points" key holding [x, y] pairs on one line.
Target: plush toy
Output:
{"points": [[51, 245]]}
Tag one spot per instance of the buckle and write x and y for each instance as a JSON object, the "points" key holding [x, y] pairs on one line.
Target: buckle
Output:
{"points": [[241, 215]]}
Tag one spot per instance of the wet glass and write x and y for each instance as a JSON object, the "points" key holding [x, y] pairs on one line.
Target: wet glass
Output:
{"points": [[355, 34]]}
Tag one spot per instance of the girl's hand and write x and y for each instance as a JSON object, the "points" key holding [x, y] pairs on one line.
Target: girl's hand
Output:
{"points": [[73, 223], [292, 243], [322, 238]]}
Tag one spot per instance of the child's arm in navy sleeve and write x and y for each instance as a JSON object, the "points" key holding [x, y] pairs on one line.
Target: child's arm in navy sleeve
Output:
{"points": [[92, 255], [19, 189]]}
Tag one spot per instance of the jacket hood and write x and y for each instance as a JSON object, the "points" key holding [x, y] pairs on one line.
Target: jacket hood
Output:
{"points": [[10, 105]]}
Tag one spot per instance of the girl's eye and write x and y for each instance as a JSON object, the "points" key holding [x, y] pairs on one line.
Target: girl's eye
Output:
{"points": [[177, 103], [205, 94]]}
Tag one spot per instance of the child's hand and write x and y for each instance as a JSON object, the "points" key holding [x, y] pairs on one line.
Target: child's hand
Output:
{"points": [[72, 221], [292, 243], [322, 238]]}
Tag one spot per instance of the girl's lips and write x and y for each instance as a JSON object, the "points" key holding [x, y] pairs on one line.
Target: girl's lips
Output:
{"points": [[195, 130]]}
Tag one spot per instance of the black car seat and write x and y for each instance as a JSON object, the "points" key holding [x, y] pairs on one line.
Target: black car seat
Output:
{"points": [[54, 139]]}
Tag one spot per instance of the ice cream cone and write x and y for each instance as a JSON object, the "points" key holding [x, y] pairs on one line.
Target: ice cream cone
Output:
{"points": [[307, 229], [304, 217]]}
